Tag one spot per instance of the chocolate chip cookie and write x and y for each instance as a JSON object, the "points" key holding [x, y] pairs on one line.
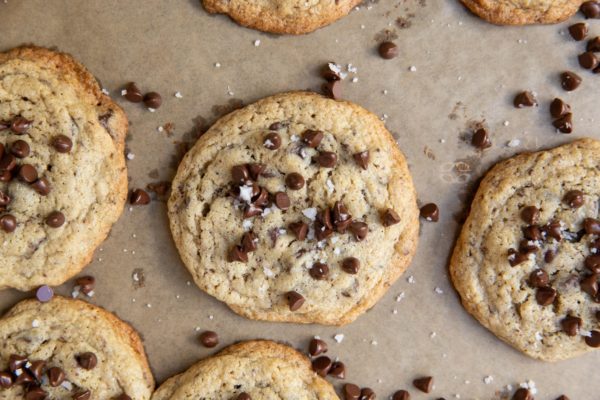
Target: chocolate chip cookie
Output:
{"points": [[258, 369], [527, 262], [296, 208], [282, 16], [63, 180], [523, 12], [68, 349]]}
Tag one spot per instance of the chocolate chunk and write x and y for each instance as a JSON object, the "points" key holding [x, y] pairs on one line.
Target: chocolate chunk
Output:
{"points": [[588, 60], [139, 197], [36, 393], [44, 293], [564, 124], [255, 170], [593, 44], [27, 173], [327, 159], [333, 89], [590, 9], [592, 263], [578, 31], [282, 200], [571, 325], [530, 215], [7, 162], [594, 339], [559, 108], [4, 199], [20, 125], [545, 296], [87, 360], [424, 384], [569, 80], [321, 365], [338, 370], [55, 219], [209, 339], [574, 198], [16, 362], [515, 258], [152, 100], [237, 254], [319, 271], [532, 232], [20, 149], [62, 144], [359, 230], [390, 217], [6, 380], [240, 174], [272, 141], [481, 139], [367, 394], [294, 300], [590, 285], [401, 395], [41, 186], [553, 229], [294, 181], [430, 212], [538, 278], [351, 391], [83, 395], [362, 159], [524, 99], [249, 241], [522, 394], [56, 376], [312, 138], [300, 229], [86, 284], [317, 347], [388, 50], [37, 369], [133, 93], [350, 265], [591, 226]]}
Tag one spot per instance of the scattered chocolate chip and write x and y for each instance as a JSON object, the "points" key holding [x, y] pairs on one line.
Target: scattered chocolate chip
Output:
{"points": [[55, 219], [255, 170], [294, 299], [327, 159], [282, 200], [538, 278], [559, 108], [36, 393], [312, 138], [430, 212], [209, 339], [359, 230], [300, 229], [593, 44], [20, 149], [6, 380], [545, 296], [522, 394], [8, 162], [388, 50], [338, 370], [83, 395], [367, 394], [20, 125], [294, 181], [319, 271], [272, 141], [317, 347], [351, 391], [592, 263], [569, 81], [44, 293], [578, 31], [481, 139], [574, 198], [27, 173], [524, 99], [56, 376], [133, 93], [590, 285], [530, 215], [362, 159], [37, 369], [350, 265], [333, 89], [139, 197], [249, 241], [424, 384], [588, 60], [87, 360], [562, 397], [590, 9], [329, 74], [152, 100], [570, 325], [86, 284], [593, 340], [237, 254], [62, 144], [390, 217], [251, 211], [401, 395], [41, 186], [322, 365]]}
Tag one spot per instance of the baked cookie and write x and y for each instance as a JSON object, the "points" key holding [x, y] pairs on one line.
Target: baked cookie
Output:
{"points": [[282, 16], [261, 369], [69, 349], [296, 208], [63, 180], [523, 12], [526, 264]]}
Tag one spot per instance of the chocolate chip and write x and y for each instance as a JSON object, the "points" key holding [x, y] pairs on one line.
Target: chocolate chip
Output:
{"points": [[591, 226], [401, 395], [578, 31], [8, 162], [83, 395], [27, 173], [152, 100], [593, 44], [592, 263], [545, 296], [322, 232], [515, 258], [41, 186], [388, 50], [86, 284], [593, 340], [362, 159], [570, 325], [20, 125], [282, 200], [532, 232], [524, 99], [367, 394], [590, 285], [123, 397], [559, 108], [562, 397], [319, 271], [6, 380], [481, 139], [87, 360], [317, 347], [569, 81], [327, 159], [209, 339], [294, 181], [272, 141], [139, 197], [390, 217], [350, 265], [262, 199], [330, 74], [295, 300], [4, 199], [56, 376], [333, 89], [249, 241], [522, 394], [312, 138], [5, 176], [37, 369], [20, 149], [55, 219], [300, 229], [133, 93], [588, 60], [251, 211], [321, 365], [424, 384], [237, 254], [590, 9], [255, 170], [160, 188], [430, 212], [324, 217], [243, 396], [564, 124], [240, 174], [538, 278], [62, 144], [359, 230], [338, 370], [16, 362], [528, 247], [351, 391], [553, 229], [530, 215], [549, 256], [574, 198], [36, 393]]}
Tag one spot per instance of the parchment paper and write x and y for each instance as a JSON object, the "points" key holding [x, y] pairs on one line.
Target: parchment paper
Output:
{"points": [[467, 71]]}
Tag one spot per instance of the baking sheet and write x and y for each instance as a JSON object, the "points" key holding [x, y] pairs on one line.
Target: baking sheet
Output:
{"points": [[465, 72]]}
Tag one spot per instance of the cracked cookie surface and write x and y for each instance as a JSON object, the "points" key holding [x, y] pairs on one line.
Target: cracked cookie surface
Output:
{"points": [[62, 168], [318, 233], [524, 264], [282, 16], [262, 369], [522, 12]]}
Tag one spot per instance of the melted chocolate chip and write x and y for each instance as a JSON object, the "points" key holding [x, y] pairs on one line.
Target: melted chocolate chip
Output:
{"points": [[574, 198], [327, 159], [282, 200], [362, 159], [300, 229], [351, 265], [237, 254], [20, 149], [272, 141], [571, 325], [545, 296], [27, 173], [539, 278], [255, 170], [332, 89], [294, 181], [20, 125], [530, 215]]}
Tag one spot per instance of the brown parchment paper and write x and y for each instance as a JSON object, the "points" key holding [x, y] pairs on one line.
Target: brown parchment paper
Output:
{"points": [[465, 71]]}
